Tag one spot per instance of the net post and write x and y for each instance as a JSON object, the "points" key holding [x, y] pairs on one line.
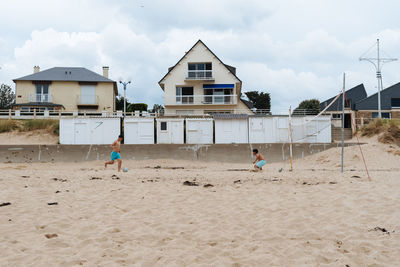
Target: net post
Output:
{"points": [[342, 158], [290, 139]]}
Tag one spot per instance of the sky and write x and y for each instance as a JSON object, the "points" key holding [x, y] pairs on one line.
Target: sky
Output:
{"points": [[292, 49]]}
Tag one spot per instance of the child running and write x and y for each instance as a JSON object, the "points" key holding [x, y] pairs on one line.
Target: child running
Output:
{"points": [[115, 154], [260, 160]]}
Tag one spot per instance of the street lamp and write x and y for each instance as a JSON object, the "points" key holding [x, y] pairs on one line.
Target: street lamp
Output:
{"points": [[124, 84]]}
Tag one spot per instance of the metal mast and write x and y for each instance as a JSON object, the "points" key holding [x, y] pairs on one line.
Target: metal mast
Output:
{"points": [[378, 63]]}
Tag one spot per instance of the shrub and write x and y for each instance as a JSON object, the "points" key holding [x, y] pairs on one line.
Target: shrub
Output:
{"points": [[8, 126], [51, 125]]}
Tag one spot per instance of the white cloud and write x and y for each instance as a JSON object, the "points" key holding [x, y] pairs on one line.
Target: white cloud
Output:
{"points": [[293, 49]]}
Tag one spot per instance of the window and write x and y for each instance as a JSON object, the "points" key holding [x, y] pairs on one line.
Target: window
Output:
{"points": [[336, 116], [184, 95], [385, 115], [218, 96], [88, 95], [163, 126], [199, 70], [395, 102], [42, 93]]}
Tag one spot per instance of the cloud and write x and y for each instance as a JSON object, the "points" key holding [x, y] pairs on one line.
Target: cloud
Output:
{"points": [[293, 49]]}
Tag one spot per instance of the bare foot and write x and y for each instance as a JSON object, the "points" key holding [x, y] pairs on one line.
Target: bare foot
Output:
{"points": [[105, 165]]}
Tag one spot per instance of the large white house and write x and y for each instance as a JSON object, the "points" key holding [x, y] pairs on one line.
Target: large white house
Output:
{"points": [[200, 83]]}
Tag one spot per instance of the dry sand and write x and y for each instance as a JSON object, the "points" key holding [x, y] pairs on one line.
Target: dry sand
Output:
{"points": [[313, 216], [37, 137]]}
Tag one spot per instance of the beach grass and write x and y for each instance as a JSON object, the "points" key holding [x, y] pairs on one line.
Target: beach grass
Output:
{"points": [[51, 126], [8, 126]]}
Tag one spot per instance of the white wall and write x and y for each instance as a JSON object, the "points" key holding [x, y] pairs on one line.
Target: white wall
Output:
{"points": [[88, 131], [228, 131], [139, 131], [173, 134], [199, 131], [276, 129]]}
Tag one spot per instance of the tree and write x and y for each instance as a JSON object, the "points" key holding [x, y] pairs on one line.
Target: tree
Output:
{"points": [[119, 103], [260, 100], [7, 97], [137, 106], [308, 107], [158, 109]]}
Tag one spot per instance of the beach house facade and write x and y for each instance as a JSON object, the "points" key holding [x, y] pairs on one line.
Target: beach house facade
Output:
{"points": [[200, 83], [65, 88]]}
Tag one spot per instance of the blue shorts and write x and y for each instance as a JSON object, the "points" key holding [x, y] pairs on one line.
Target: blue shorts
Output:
{"points": [[261, 163], [115, 155]]}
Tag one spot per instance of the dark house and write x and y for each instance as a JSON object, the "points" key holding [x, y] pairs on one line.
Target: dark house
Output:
{"points": [[353, 96], [390, 104]]}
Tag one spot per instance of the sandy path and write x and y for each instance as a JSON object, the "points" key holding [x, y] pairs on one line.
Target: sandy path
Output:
{"points": [[312, 216]]}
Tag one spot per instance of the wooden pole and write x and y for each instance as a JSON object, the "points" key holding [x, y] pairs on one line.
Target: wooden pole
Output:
{"points": [[290, 139]]}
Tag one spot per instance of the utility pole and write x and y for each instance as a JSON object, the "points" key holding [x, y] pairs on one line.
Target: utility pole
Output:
{"points": [[124, 84], [378, 63]]}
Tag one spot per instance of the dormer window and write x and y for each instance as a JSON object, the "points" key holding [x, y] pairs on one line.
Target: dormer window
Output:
{"points": [[199, 71]]}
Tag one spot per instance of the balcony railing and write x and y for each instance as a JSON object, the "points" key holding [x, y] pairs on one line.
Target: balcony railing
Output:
{"points": [[201, 100], [87, 100], [41, 98], [199, 75]]}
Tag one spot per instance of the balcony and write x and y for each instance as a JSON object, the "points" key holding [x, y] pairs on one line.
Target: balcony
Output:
{"points": [[201, 100], [41, 98], [87, 101], [199, 75]]}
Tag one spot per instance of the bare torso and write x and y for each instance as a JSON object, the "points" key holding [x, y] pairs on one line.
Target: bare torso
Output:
{"points": [[116, 146]]}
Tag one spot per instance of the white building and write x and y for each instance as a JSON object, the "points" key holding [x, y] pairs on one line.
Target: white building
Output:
{"points": [[170, 131], [199, 131], [200, 83], [139, 130], [231, 129], [89, 131]]}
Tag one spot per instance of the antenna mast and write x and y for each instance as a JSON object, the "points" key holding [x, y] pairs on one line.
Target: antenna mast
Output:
{"points": [[378, 63]]}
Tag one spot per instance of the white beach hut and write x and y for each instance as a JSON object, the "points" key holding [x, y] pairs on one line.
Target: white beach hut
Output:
{"points": [[139, 130], [199, 131], [86, 131], [170, 131], [231, 128]]}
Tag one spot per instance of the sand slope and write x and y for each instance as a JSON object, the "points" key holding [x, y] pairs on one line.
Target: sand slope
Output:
{"points": [[314, 216], [37, 137]]}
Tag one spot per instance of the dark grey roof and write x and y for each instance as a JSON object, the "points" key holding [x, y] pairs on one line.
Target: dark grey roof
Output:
{"points": [[371, 102], [353, 95], [223, 116], [248, 104], [72, 74], [38, 104], [231, 69]]}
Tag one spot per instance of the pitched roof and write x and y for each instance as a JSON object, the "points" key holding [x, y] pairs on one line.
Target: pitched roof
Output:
{"points": [[371, 102], [248, 104], [71, 74], [230, 68], [354, 95]]}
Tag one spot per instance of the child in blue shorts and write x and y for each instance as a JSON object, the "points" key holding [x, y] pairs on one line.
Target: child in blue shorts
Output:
{"points": [[115, 154], [260, 160]]}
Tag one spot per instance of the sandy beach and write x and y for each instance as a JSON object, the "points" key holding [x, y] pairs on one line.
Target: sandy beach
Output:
{"points": [[80, 214]]}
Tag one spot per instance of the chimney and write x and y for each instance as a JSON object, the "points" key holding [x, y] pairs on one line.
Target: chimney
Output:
{"points": [[36, 69], [105, 71]]}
